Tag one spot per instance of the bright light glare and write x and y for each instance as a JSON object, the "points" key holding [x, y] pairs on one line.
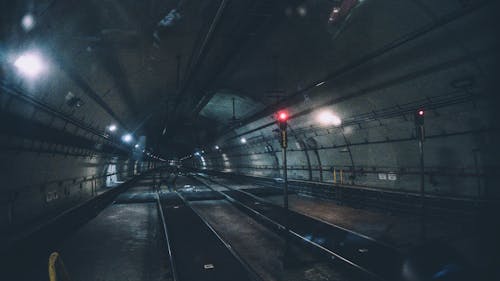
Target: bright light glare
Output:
{"points": [[28, 22], [30, 64], [328, 118], [112, 128], [243, 140], [283, 116], [127, 138], [216, 147], [136, 146]]}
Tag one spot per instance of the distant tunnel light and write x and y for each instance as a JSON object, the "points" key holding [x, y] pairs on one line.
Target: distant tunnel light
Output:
{"points": [[243, 140], [302, 11], [30, 64], [136, 146], [216, 147], [127, 138], [328, 118], [28, 22], [112, 128]]}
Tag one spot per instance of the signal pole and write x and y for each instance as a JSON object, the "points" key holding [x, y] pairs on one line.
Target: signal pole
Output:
{"points": [[282, 123], [420, 129]]}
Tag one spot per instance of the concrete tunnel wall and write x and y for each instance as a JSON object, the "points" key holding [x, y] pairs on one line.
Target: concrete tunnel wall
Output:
{"points": [[449, 69], [459, 150], [52, 160], [457, 160], [450, 76], [40, 185]]}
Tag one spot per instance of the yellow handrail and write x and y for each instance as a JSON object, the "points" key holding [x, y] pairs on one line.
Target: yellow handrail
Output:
{"points": [[55, 262]]}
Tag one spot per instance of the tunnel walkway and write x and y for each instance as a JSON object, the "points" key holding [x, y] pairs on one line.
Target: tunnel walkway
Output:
{"points": [[124, 242]]}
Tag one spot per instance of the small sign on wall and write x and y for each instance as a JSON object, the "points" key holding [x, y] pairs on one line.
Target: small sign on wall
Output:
{"points": [[382, 176], [51, 196], [392, 177]]}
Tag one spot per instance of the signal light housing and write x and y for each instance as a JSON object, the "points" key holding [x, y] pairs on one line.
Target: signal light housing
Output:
{"points": [[419, 124], [419, 117], [282, 116]]}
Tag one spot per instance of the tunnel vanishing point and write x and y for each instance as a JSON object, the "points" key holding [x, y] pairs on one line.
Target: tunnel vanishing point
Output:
{"points": [[249, 140]]}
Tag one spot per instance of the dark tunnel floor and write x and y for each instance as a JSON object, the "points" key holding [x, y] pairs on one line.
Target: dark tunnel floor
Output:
{"points": [[260, 247], [398, 230], [124, 242], [401, 231]]}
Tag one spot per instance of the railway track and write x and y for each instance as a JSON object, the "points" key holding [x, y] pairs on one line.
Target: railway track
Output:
{"points": [[196, 250], [459, 209], [375, 260]]}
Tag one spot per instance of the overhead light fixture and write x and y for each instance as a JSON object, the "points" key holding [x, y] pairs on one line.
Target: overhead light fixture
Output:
{"points": [[28, 22], [302, 11], [30, 64], [112, 128], [243, 140], [329, 118], [136, 146], [127, 138], [216, 147]]}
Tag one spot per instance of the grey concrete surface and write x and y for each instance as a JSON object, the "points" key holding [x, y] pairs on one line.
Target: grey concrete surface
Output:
{"points": [[124, 242], [262, 248], [402, 231]]}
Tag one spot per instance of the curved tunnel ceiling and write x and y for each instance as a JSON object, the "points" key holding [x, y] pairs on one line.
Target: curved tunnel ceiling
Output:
{"points": [[96, 93], [158, 68]]}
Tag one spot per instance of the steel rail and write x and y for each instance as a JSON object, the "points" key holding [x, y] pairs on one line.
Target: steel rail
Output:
{"points": [[228, 246], [175, 277], [456, 208], [281, 227], [212, 245]]}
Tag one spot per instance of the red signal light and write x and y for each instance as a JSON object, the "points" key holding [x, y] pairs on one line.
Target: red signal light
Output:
{"points": [[421, 112], [282, 116]]}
